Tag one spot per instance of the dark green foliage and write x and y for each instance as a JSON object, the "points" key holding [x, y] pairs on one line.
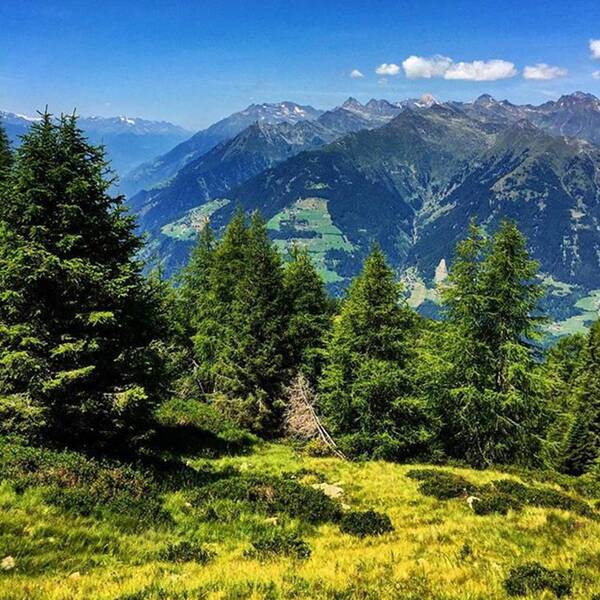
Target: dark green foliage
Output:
{"points": [[582, 443], [533, 577], [365, 390], [276, 542], [492, 402], [365, 523], [442, 484], [6, 157], [234, 313], [538, 496], [275, 495], [185, 551], [192, 427], [80, 329], [465, 552], [495, 503], [310, 313], [83, 485]]}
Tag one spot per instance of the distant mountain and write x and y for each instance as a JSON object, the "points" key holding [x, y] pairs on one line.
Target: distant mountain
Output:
{"points": [[414, 184], [167, 165], [129, 141], [409, 175], [171, 214]]}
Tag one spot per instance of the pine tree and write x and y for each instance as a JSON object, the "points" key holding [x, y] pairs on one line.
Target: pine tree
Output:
{"points": [[582, 446], [80, 328], [6, 157], [253, 357], [310, 313], [365, 391], [493, 409], [198, 316]]}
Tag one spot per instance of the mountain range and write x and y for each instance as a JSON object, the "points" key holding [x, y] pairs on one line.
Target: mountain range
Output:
{"points": [[129, 141], [409, 175]]}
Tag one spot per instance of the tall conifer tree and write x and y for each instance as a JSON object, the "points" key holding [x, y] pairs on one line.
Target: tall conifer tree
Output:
{"points": [[583, 437], [79, 325], [494, 410], [310, 313], [366, 391]]}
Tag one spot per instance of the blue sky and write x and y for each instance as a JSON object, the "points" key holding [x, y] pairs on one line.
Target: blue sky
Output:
{"points": [[193, 62]]}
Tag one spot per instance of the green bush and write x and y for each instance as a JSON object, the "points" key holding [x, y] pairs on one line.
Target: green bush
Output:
{"points": [[539, 497], [186, 551], [83, 485], [365, 523], [533, 577], [276, 542], [275, 495], [442, 485], [495, 503]]}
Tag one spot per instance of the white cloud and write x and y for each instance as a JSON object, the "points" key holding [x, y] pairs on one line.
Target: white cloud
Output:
{"points": [[418, 67], [387, 69], [542, 71], [356, 74], [595, 48], [481, 70], [596, 74]]}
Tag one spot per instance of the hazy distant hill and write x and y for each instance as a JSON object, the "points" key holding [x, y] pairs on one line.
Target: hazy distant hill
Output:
{"points": [[129, 141]]}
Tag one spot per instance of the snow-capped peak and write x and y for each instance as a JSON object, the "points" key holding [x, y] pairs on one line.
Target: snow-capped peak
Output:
{"points": [[426, 101]]}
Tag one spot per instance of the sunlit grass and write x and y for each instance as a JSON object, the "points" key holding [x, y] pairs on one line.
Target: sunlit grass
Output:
{"points": [[438, 549]]}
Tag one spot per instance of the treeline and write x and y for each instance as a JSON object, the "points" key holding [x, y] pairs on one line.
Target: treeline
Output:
{"points": [[89, 348]]}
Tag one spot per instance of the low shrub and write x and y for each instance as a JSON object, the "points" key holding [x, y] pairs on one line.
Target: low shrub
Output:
{"points": [[539, 497], [276, 542], [442, 485], [495, 503], [365, 523], [186, 551], [83, 485], [533, 577], [275, 495]]}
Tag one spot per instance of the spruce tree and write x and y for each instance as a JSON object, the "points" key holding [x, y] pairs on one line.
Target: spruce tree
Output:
{"points": [[493, 409], [253, 357], [80, 328], [198, 316], [6, 157], [582, 447], [310, 313], [365, 391]]}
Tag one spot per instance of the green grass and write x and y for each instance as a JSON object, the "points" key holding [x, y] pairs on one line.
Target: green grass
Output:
{"points": [[589, 309], [187, 227], [311, 215], [437, 549]]}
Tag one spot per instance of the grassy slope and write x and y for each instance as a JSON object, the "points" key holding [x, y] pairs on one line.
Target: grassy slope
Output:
{"points": [[76, 557]]}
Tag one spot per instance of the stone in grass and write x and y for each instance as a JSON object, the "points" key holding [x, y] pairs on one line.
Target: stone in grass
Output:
{"points": [[8, 563], [365, 523]]}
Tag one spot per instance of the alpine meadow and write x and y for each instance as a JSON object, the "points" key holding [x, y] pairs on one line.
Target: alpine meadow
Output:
{"points": [[287, 352]]}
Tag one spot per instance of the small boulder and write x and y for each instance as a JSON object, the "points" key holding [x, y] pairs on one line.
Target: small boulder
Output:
{"points": [[329, 489]]}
